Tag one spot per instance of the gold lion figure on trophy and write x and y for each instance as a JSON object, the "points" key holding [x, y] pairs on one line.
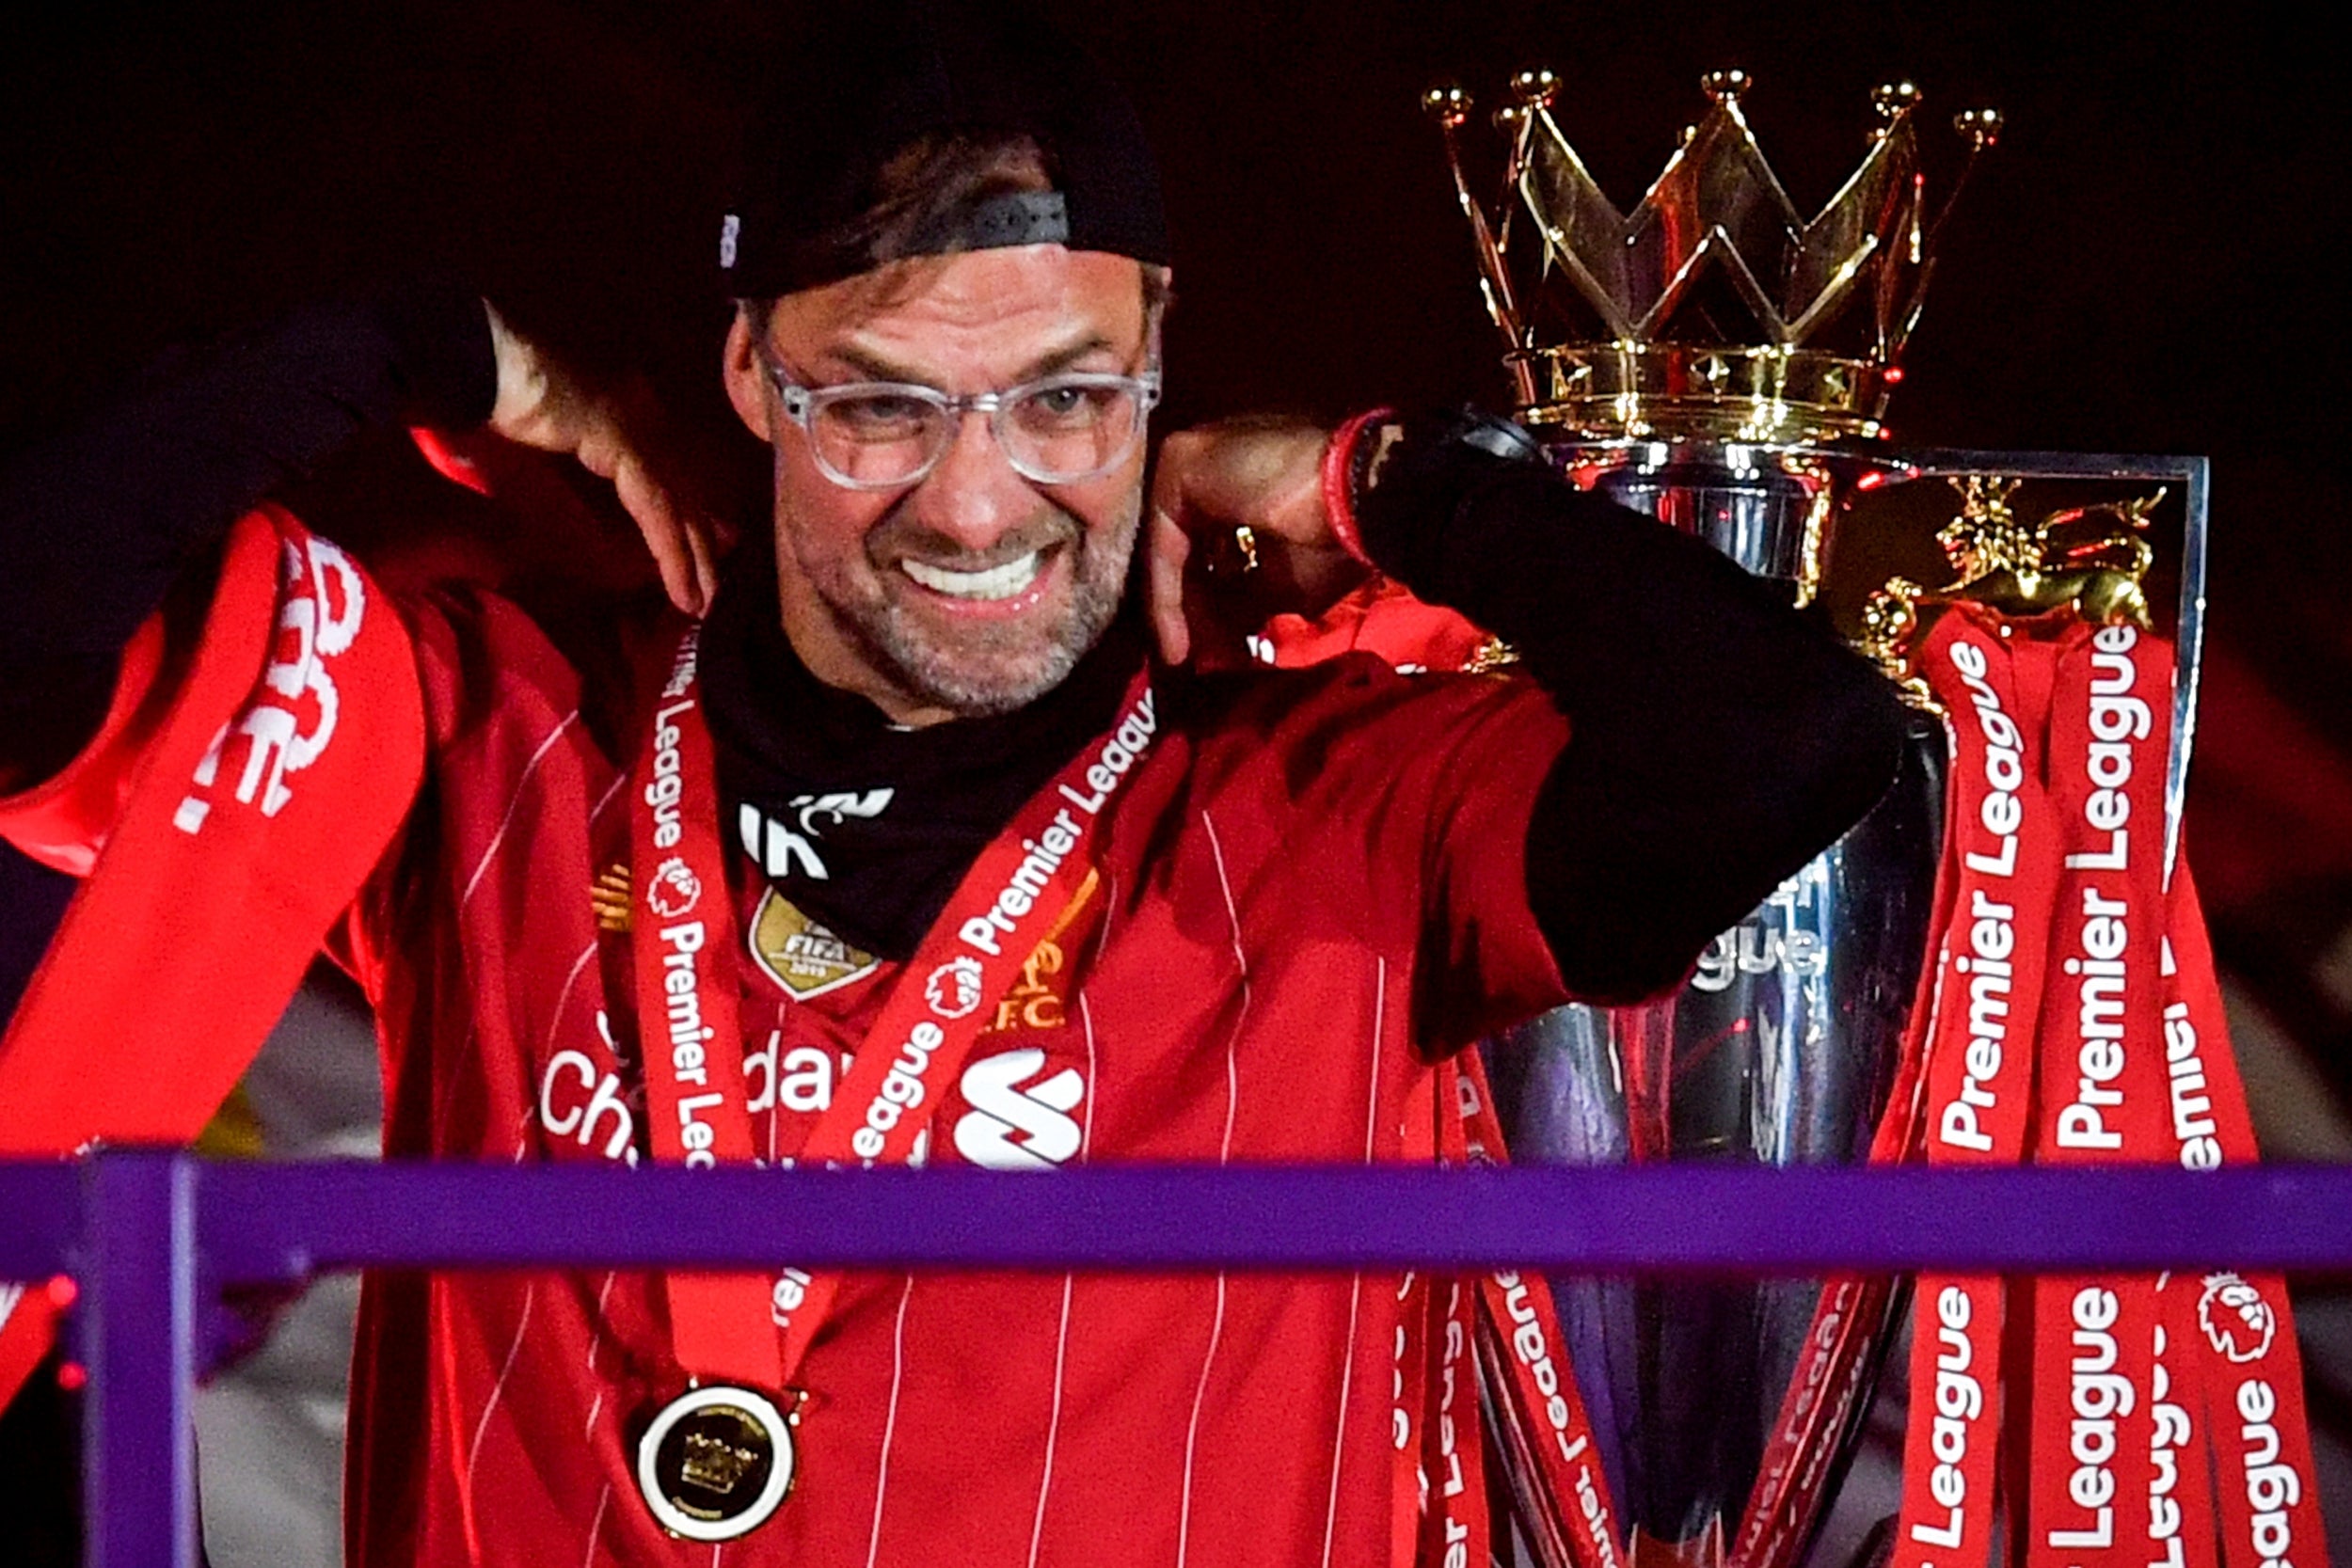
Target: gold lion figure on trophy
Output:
{"points": [[2019, 569]]}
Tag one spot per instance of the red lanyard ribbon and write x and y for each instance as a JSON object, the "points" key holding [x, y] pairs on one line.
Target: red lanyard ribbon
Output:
{"points": [[1979, 1067], [2055, 950], [1525, 1361], [2238, 1373], [2100, 1080], [691, 1036], [1454, 1526]]}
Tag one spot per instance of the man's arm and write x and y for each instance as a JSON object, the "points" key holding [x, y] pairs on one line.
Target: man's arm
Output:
{"points": [[1719, 737]]}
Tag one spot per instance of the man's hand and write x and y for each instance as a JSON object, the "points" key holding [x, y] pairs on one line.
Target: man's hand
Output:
{"points": [[1261, 474], [539, 405]]}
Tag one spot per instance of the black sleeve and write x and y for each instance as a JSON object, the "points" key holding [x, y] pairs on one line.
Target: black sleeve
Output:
{"points": [[96, 524], [1719, 739]]}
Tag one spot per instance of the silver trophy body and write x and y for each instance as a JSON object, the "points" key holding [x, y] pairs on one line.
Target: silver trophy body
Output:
{"points": [[1721, 362], [1779, 1050]]}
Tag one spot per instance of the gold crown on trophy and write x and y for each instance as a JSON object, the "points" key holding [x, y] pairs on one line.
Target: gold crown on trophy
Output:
{"points": [[1722, 313]]}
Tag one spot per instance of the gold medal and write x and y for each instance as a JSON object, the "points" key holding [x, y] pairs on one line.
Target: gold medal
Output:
{"points": [[716, 1462]]}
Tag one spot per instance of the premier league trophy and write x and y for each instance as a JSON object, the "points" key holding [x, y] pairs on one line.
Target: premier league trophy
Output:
{"points": [[1722, 362]]}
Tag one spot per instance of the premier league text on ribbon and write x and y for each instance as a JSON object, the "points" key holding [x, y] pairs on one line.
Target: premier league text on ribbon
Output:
{"points": [[1124, 748]]}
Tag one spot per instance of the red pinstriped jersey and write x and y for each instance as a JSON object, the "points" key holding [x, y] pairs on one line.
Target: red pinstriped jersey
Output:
{"points": [[1310, 888]]}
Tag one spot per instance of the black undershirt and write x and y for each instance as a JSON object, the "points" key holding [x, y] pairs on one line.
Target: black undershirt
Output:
{"points": [[1659, 825], [786, 741]]}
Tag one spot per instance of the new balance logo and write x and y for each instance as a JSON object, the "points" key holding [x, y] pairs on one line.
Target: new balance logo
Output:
{"points": [[1010, 1128], [783, 849]]}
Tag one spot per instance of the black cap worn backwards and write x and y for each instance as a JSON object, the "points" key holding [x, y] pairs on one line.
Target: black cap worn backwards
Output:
{"points": [[855, 97]]}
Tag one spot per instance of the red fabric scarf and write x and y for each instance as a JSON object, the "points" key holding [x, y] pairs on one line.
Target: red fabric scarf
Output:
{"points": [[284, 763]]}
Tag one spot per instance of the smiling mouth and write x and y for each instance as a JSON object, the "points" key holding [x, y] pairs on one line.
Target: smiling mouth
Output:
{"points": [[990, 584]]}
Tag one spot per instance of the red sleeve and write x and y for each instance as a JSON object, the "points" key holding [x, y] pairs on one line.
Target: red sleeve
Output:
{"points": [[1393, 810], [1484, 961]]}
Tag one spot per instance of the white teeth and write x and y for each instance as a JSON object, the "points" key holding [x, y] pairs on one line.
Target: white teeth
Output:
{"points": [[997, 582]]}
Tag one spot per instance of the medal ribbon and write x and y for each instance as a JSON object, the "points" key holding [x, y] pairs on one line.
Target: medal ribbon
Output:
{"points": [[1832, 1375], [2000, 850], [2238, 1372], [2131, 1065], [1528, 1370], [1407, 1384], [2099, 1086], [1415, 1336], [691, 1039], [2180, 1485], [689, 1033], [1455, 1528]]}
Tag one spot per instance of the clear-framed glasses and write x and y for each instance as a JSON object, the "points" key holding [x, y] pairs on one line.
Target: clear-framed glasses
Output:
{"points": [[886, 435]]}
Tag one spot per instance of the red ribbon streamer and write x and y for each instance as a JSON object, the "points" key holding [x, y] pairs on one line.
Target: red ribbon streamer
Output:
{"points": [[292, 745]]}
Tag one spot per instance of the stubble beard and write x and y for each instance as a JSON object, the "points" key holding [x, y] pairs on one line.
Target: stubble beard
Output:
{"points": [[979, 668]]}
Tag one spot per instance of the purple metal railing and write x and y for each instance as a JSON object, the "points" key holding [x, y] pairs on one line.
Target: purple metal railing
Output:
{"points": [[147, 1235]]}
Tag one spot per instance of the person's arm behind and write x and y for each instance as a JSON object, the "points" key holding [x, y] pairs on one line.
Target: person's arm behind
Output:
{"points": [[97, 524], [1719, 739]]}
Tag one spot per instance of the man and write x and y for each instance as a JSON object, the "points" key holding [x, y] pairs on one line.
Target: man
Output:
{"points": [[911, 850]]}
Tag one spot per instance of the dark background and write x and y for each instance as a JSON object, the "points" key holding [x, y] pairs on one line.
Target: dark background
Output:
{"points": [[2148, 262], [2151, 260]]}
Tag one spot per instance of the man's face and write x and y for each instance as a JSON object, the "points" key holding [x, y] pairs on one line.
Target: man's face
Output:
{"points": [[974, 590]]}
